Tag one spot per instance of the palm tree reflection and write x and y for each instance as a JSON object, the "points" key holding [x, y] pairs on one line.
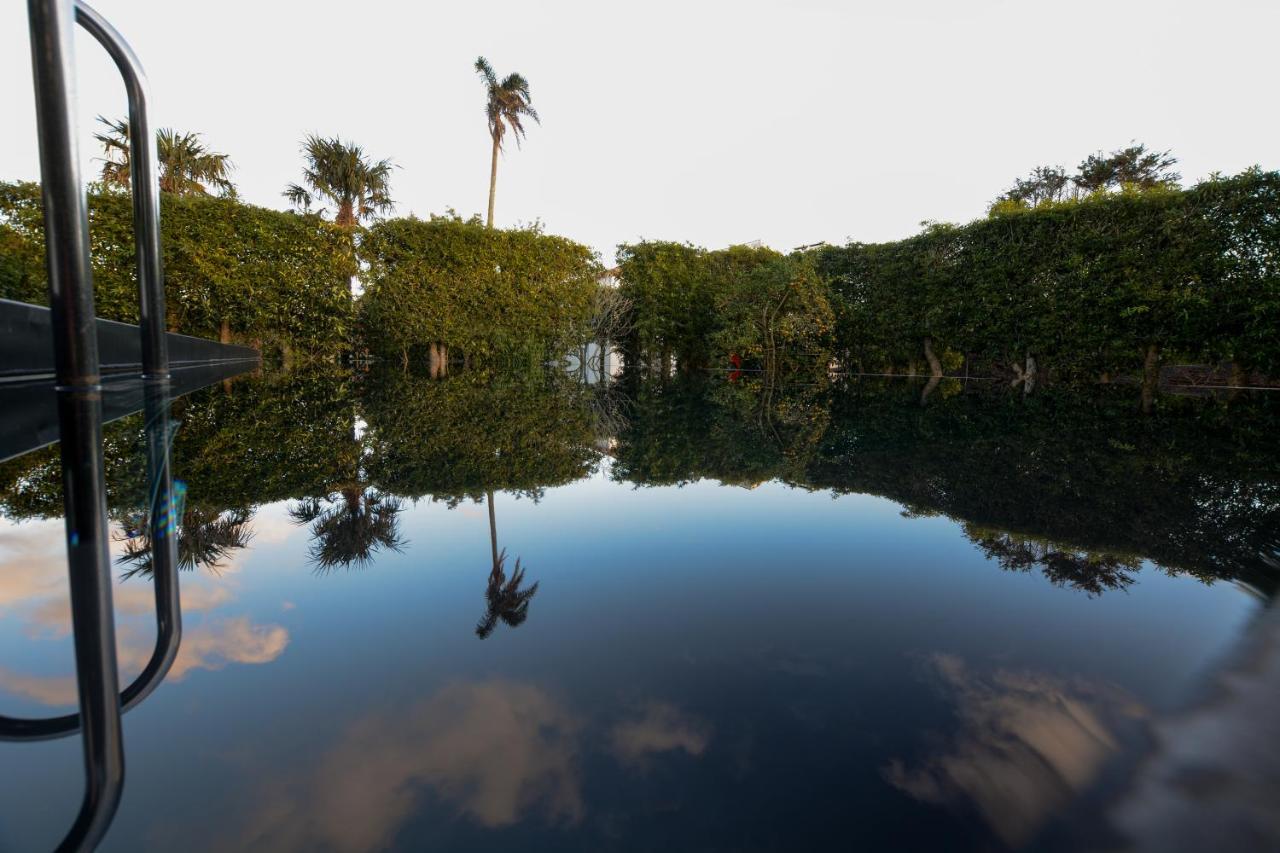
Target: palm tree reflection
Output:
{"points": [[349, 527], [506, 601], [206, 538]]}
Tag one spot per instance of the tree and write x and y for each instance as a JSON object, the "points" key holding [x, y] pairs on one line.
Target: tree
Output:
{"points": [[206, 537], [508, 102], [506, 601], [340, 172], [1045, 183], [1134, 166], [186, 166], [351, 527]]}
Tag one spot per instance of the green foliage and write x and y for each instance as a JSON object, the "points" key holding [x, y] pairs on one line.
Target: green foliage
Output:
{"points": [[185, 165], [701, 306], [458, 437], [482, 291], [1084, 285], [273, 277], [340, 172], [775, 314]]}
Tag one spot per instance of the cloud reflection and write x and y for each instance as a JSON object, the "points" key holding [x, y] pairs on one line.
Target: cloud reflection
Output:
{"points": [[1027, 745], [661, 727], [495, 751]]}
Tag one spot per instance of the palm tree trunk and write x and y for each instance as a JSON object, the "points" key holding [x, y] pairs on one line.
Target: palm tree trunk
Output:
{"points": [[493, 179], [493, 528]]}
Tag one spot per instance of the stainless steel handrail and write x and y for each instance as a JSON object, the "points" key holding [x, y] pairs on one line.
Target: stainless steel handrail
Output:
{"points": [[79, 403]]}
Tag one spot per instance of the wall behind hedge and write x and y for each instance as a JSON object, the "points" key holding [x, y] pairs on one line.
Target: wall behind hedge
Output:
{"points": [[278, 278]]}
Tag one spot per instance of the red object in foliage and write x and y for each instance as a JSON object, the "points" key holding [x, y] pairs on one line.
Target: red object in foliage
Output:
{"points": [[735, 360], [735, 375]]}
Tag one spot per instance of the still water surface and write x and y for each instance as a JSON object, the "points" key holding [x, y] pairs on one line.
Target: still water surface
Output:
{"points": [[812, 617]]}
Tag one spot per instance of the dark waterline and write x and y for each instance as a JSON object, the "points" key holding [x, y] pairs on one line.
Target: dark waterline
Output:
{"points": [[795, 617]]}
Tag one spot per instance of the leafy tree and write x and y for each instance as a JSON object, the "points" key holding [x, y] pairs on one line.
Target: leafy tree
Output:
{"points": [[186, 166], [507, 104], [340, 172], [1131, 166], [1045, 183]]}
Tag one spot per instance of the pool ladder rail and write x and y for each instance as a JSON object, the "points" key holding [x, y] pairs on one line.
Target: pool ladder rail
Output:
{"points": [[79, 392]]}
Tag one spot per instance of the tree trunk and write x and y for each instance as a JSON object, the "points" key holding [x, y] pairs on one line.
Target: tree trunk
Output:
{"points": [[346, 214], [433, 360], [224, 334], [1029, 376], [935, 366], [1150, 377], [493, 179], [493, 529]]}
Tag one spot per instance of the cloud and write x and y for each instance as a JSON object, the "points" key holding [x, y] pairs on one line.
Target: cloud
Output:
{"points": [[1212, 781], [211, 647], [1027, 745], [53, 690], [235, 640], [661, 727], [495, 751]]}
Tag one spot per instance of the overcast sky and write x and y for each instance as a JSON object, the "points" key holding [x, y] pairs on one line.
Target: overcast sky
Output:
{"points": [[717, 123]]}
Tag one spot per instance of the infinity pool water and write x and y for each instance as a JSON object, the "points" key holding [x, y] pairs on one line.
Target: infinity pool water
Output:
{"points": [[723, 616]]}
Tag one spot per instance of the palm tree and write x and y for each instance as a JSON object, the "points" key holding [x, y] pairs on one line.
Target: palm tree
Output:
{"points": [[349, 528], [205, 538], [506, 601], [340, 172], [186, 166], [508, 102]]}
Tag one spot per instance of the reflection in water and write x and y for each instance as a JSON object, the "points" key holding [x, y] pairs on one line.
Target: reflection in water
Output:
{"points": [[1213, 780], [506, 601], [495, 751], [1086, 571], [206, 538], [350, 527], [660, 727], [1027, 745], [1082, 492]]}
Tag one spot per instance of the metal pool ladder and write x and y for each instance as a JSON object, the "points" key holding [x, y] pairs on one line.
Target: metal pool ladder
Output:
{"points": [[79, 392]]}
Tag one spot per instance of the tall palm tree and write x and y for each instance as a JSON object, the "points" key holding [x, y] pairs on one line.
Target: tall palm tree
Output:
{"points": [[349, 528], [508, 103], [340, 172], [505, 600], [186, 166]]}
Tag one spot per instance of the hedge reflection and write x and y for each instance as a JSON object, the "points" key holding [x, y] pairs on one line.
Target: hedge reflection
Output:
{"points": [[1079, 488]]}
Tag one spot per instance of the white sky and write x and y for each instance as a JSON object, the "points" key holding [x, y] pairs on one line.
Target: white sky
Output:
{"points": [[716, 123]]}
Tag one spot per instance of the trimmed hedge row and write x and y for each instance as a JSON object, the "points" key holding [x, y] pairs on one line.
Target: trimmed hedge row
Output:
{"points": [[1109, 283], [1098, 285], [453, 282], [703, 307], [271, 277]]}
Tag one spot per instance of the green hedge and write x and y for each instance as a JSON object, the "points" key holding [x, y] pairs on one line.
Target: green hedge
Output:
{"points": [[1085, 286], [477, 290], [701, 307], [272, 277]]}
